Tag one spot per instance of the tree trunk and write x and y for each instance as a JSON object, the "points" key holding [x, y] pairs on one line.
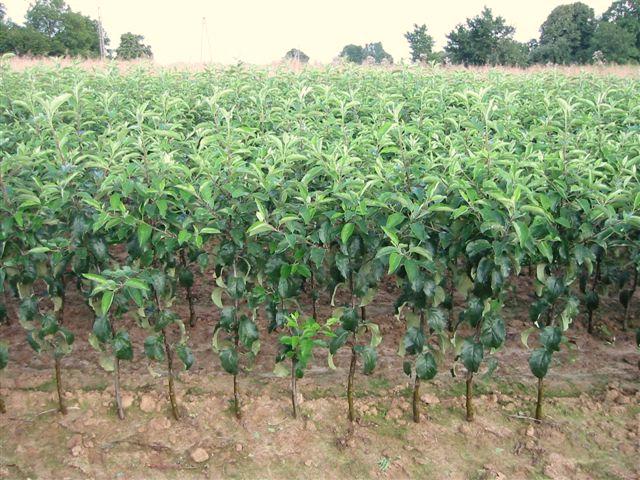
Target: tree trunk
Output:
{"points": [[469, 397], [236, 398], [416, 383], [416, 400], [314, 301], [539, 401], [294, 389], [594, 286], [116, 385], [3, 408], [172, 395], [627, 309], [6, 306], [62, 408], [116, 380], [192, 312], [352, 371]]}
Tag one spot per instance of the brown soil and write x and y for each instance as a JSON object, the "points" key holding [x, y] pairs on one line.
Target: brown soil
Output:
{"points": [[592, 426]]}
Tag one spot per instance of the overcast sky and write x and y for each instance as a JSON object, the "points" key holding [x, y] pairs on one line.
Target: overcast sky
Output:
{"points": [[261, 31]]}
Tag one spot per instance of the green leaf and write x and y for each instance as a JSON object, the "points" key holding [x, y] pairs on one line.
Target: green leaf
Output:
{"points": [[183, 236], [394, 262], [135, 283], [229, 360], [369, 359], [539, 362], [260, 227], [216, 297], [144, 234], [347, 231], [413, 341], [493, 333], [185, 355], [477, 247], [122, 346], [550, 338], [107, 362], [338, 341], [349, 319], [426, 367], [395, 219], [545, 250], [39, 250], [107, 300], [102, 329], [247, 332], [154, 347], [471, 355]]}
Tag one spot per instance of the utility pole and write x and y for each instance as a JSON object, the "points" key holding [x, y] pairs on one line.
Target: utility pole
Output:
{"points": [[204, 36], [101, 34]]}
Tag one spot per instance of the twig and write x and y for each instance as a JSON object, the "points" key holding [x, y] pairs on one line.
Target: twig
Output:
{"points": [[53, 410]]}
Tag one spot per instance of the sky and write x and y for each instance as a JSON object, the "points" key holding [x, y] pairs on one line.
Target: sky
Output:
{"points": [[261, 31]]}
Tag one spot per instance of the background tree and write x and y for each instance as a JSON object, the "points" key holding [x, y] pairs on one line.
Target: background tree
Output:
{"points": [[566, 35], [480, 40], [420, 43], [626, 15], [131, 47], [377, 52], [297, 55], [68, 32], [616, 44], [46, 16], [511, 53], [353, 53], [23, 40]]}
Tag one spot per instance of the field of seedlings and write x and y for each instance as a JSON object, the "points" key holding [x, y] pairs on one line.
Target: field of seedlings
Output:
{"points": [[333, 273]]}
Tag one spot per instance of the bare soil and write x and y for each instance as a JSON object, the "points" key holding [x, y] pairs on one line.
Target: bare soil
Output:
{"points": [[591, 428]]}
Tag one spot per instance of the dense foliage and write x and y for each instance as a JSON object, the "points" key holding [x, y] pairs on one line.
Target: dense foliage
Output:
{"points": [[282, 187]]}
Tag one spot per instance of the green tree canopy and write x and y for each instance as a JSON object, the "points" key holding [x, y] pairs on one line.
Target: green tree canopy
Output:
{"points": [[377, 52], [566, 35], [616, 44], [358, 54], [420, 43], [132, 47], [52, 28], [480, 40], [353, 53], [297, 55], [625, 14]]}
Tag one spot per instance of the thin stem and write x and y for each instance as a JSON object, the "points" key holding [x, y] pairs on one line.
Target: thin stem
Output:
{"points": [[192, 312], [236, 398], [416, 383], [116, 385], [294, 389], [627, 309], [62, 408], [352, 371], [313, 296], [469, 397], [594, 286], [172, 395], [3, 408], [116, 379], [539, 400]]}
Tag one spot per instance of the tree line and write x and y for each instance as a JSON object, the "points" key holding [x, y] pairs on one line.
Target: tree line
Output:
{"points": [[51, 28], [571, 34]]}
